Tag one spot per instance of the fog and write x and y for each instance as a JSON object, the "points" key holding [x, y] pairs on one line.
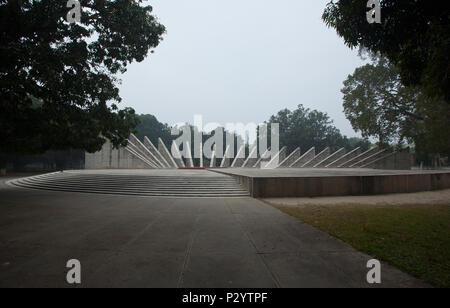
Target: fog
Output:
{"points": [[241, 61]]}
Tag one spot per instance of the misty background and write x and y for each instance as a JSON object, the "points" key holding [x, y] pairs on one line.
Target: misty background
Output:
{"points": [[240, 61]]}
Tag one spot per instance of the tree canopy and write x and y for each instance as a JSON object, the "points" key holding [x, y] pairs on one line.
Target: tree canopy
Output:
{"points": [[150, 126], [307, 128], [58, 83], [413, 35], [378, 105]]}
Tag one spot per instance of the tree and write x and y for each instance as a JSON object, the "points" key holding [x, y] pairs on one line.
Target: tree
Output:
{"points": [[58, 80], [355, 142], [307, 128], [378, 105], [150, 126], [413, 35]]}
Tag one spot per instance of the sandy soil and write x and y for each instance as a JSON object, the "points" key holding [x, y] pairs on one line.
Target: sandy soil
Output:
{"points": [[421, 198]]}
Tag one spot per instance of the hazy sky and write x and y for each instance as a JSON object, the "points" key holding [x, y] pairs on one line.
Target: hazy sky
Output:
{"points": [[241, 61]]}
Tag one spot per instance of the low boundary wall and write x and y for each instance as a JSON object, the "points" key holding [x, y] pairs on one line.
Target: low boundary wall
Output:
{"points": [[317, 186]]}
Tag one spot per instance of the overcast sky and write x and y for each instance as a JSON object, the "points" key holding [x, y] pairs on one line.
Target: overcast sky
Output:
{"points": [[241, 61]]}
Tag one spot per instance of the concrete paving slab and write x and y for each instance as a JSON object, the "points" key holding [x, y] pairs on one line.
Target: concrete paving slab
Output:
{"points": [[128, 241], [139, 268], [227, 270], [305, 270]]}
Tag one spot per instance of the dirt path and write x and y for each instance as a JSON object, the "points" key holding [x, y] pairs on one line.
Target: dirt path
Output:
{"points": [[421, 198]]}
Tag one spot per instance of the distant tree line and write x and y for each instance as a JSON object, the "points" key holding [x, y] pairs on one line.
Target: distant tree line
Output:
{"points": [[301, 127], [306, 128]]}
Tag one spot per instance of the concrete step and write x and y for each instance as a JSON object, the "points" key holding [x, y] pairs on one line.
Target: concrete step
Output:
{"points": [[198, 194], [137, 185], [147, 194], [137, 190], [197, 186], [153, 184]]}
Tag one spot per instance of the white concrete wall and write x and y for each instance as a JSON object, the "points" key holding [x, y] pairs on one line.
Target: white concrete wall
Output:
{"points": [[109, 158]]}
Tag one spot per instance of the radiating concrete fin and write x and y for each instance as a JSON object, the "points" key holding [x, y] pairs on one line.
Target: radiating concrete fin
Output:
{"points": [[339, 153], [132, 145], [275, 161], [129, 159], [358, 158], [259, 160], [290, 159], [325, 153], [342, 160], [212, 163], [226, 160], [141, 154], [201, 155], [177, 155], [307, 156], [189, 161], [252, 158], [239, 159], [162, 149], [146, 151], [132, 151], [369, 158], [155, 152], [391, 161]]}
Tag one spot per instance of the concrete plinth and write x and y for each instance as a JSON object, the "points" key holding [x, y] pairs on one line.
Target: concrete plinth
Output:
{"points": [[314, 182]]}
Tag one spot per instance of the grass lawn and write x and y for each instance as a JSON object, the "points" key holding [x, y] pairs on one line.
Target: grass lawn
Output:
{"points": [[414, 238]]}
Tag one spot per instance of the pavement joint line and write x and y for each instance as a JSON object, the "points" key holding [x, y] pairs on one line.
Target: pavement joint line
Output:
{"points": [[275, 279], [187, 255], [142, 232], [117, 252]]}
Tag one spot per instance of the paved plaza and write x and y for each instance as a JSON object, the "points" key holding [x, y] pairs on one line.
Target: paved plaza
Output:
{"points": [[136, 241]]}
